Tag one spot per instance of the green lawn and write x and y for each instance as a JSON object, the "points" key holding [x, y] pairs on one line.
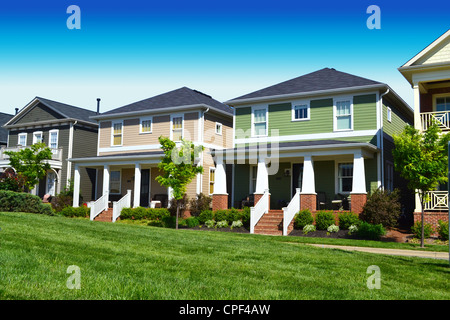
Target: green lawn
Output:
{"points": [[120, 261]]}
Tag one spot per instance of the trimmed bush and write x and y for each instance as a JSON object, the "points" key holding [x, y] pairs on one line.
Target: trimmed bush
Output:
{"points": [[71, 212], [233, 215], [382, 207], [324, 219], [205, 215], [346, 219], [303, 218], [210, 223], [245, 217], [220, 215], [370, 231], [199, 204], [442, 229], [11, 201], [417, 230], [141, 213], [192, 222], [169, 222]]}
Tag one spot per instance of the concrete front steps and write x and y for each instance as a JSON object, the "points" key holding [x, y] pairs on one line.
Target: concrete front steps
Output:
{"points": [[105, 216]]}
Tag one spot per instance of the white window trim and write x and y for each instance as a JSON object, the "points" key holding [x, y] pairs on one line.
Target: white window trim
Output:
{"points": [[221, 128], [179, 115], [336, 171], [34, 136], [389, 114], [140, 125], [436, 96], [298, 103], [258, 107], [120, 181], [112, 133], [18, 139], [209, 180], [50, 138], [338, 99]]}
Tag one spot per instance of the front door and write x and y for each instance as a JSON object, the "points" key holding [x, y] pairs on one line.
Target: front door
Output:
{"points": [[297, 175], [51, 183], [145, 187]]}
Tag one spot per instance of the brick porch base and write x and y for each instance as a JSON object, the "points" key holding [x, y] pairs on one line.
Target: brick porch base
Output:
{"points": [[308, 201], [220, 201], [431, 217], [358, 200]]}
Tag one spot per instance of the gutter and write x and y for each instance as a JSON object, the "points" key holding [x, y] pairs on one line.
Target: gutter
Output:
{"points": [[382, 137]]}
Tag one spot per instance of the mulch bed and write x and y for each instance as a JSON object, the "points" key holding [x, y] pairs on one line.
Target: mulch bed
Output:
{"points": [[341, 234], [204, 228]]}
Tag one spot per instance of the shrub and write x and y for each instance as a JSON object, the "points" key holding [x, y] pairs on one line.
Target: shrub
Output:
{"points": [[370, 231], [245, 216], [75, 212], [309, 228], [205, 215], [222, 224], [220, 215], [303, 218], [353, 229], [199, 204], [192, 222], [236, 224], [324, 219], [233, 215], [157, 213], [382, 207], [11, 181], [46, 208], [169, 222], [210, 223], [417, 230], [346, 219], [443, 229], [11, 201], [173, 203], [141, 213], [333, 228], [156, 223]]}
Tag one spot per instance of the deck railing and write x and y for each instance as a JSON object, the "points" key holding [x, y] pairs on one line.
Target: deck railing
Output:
{"points": [[56, 153], [256, 212], [437, 201], [290, 211], [99, 205], [441, 118], [124, 202]]}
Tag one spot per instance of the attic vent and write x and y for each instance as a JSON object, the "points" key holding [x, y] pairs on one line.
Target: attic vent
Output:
{"points": [[203, 94]]}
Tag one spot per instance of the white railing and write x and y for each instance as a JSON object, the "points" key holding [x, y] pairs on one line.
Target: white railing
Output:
{"points": [[290, 211], [124, 202], [437, 200], [441, 118], [56, 153], [256, 212], [99, 205]]}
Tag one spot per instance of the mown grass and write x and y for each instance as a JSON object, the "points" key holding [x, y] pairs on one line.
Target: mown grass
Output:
{"points": [[119, 261]]}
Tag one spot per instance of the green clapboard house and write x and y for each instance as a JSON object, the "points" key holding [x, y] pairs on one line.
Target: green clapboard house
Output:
{"points": [[326, 135]]}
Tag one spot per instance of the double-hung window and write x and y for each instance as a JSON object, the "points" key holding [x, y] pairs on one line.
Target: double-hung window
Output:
{"points": [[145, 125], [345, 177], [259, 121], [212, 179], [53, 139], [343, 114], [38, 137], [114, 182], [22, 140], [117, 133], [300, 111], [177, 127]]}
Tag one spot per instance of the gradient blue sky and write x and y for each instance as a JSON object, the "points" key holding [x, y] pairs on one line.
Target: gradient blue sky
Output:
{"points": [[131, 50]]}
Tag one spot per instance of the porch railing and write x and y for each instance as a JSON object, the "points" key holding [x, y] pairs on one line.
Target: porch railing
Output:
{"points": [[124, 202], [441, 118], [56, 153], [99, 205], [437, 200], [290, 211], [256, 212]]}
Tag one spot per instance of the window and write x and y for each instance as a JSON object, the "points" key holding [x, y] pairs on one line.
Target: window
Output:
{"points": [[117, 129], [345, 177], [389, 176], [114, 182], [300, 111], [218, 128], [253, 174], [389, 114], [177, 128], [53, 139], [22, 139], [443, 103], [212, 179], [146, 125], [259, 121], [38, 137], [343, 115]]}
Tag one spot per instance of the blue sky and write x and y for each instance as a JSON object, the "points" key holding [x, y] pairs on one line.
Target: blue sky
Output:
{"points": [[130, 50]]}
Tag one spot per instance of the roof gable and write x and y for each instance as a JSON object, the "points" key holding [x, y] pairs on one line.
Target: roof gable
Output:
{"points": [[437, 52]]}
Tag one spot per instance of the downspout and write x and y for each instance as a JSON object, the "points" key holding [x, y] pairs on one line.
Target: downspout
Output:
{"points": [[382, 137], [202, 139]]}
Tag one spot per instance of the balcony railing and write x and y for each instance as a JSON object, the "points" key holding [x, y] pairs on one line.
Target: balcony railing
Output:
{"points": [[437, 201], [441, 118], [57, 154]]}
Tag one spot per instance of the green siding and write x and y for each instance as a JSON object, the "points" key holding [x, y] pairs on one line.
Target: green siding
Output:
{"points": [[371, 172], [243, 121], [280, 187], [365, 112], [398, 123]]}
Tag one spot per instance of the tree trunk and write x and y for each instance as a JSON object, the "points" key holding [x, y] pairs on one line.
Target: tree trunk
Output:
{"points": [[178, 211], [422, 238]]}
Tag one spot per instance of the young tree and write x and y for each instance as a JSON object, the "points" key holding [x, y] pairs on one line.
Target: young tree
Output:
{"points": [[30, 163], [178, 167], [421, 158]]}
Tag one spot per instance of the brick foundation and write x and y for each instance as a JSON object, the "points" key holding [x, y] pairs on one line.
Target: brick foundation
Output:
{"points": [[358, 200], [308, 201], [431, 217], [219, 201]]}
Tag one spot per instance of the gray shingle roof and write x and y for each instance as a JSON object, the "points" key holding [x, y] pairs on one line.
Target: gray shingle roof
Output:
{"points": [[177, 98], [4, 118], [68, 110], [324, 79]]}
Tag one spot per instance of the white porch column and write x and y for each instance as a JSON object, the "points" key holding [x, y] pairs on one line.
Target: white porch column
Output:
{"points": [[105, 179], [417, 120], [137, 185], [308, 182], [76, 187], [220, 183], [359, 177], [262, 177]]}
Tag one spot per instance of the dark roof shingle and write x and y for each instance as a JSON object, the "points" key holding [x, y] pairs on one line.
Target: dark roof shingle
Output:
{"points": [[4, 118], [68, 110]]}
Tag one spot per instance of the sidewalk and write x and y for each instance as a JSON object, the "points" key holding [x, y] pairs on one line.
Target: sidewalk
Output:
{"points": [[395, 252]]}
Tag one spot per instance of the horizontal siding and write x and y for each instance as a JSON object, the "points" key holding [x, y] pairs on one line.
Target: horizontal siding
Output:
{"points": [[38, 113], [210, 136], [365, 112], [398, 123], [243, 122]]}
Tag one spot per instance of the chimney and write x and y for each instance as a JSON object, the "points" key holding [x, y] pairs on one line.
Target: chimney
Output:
{"points": [[98, 105], [17, 110]]}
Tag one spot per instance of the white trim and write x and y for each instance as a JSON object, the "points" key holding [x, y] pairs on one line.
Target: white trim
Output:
{"points": [[120, 180], [50, 138], [18, 138], [439, 95], [259, 107], [336, 171], [177, 115], [221, 128], [142, 119], [389, 114], [34, 136], [301, 103], [342, 99], [112, 133]]}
